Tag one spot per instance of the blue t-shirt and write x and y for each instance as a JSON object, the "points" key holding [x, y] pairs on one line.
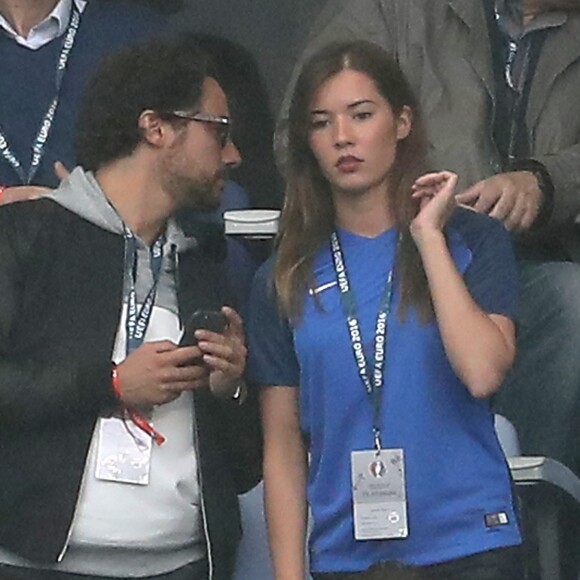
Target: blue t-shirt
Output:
{"points": [[456, 473]]}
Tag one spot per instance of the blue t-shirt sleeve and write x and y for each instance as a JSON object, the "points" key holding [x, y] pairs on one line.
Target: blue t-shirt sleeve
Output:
{"points": [[271, 360], [492, 275]]}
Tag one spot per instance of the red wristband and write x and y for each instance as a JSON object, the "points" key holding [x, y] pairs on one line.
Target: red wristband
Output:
{"points": [[137, 418], [116, 382], [2, 190]]}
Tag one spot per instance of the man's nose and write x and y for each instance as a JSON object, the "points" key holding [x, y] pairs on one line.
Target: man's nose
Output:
{"points": [[231, 155]]}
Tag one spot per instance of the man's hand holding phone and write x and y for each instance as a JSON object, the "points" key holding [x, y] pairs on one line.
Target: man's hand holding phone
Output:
{"points": [[212, 353], [158, 372], [223, 353]]}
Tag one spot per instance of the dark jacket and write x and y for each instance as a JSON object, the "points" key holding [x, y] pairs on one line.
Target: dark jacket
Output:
{"points": [[61, 281]]}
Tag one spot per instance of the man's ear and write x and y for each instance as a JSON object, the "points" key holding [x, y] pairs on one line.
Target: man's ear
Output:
{"points": [[153, 129], [404, 122]]}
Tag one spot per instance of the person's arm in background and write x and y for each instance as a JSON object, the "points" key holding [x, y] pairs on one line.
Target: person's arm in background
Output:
{"points": [[525, 200], [516, 195], [480, 346], [514, 198], [15, 193]]}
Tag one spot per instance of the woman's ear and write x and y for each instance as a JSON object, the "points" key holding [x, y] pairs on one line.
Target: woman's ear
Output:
{"points": [[404, 122]]}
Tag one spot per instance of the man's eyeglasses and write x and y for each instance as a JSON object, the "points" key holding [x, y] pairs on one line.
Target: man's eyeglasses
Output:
{"points": [[221, 124]]}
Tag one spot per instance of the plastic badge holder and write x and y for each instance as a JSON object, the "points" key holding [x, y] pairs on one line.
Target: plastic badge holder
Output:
{"points": [[252, 223]]}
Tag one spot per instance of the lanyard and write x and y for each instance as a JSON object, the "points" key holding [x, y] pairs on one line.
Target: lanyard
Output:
{"points": [[374, 387], [517, 65], [39, 145], [513, 46], [138, 318]]}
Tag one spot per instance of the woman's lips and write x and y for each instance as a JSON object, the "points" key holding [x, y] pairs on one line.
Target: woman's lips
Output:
{"points": [[348, 163]]}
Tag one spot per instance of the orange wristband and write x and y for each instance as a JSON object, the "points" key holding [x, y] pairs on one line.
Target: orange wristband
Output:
{"points": [[138, 419], [115, 381]]}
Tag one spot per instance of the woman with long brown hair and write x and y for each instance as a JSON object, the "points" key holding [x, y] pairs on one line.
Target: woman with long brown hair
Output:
{"points": [[378, 331]]}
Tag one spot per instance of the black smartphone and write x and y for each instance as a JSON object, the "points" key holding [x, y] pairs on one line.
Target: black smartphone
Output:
{"points": [[203, 319]]}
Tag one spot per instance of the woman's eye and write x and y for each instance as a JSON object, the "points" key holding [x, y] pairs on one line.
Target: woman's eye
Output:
{"points": [[318, 124], [362, 115]]}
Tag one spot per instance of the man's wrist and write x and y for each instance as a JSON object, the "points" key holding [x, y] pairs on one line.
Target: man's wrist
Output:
{"points": [[240, 393], [545, 185], [236, 393], [116, 382]]}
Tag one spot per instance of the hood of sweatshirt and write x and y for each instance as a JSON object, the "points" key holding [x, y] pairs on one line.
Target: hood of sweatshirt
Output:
{"points": [[81, 193]]}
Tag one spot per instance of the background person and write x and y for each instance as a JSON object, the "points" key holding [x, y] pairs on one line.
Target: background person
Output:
{"points": [[49, 49]]}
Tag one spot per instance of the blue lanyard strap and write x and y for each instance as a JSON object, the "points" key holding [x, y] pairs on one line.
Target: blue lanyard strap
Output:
{"points": [[138, 318], [374, 387], [39, 144]]}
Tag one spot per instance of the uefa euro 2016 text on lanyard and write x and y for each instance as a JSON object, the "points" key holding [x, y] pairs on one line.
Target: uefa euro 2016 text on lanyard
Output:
{"points": [[39, 145], [378, 475], [124, 450], [138, 318]]}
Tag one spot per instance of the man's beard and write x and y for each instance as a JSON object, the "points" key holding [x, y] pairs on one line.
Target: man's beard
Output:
{"points": [[198, 193]]}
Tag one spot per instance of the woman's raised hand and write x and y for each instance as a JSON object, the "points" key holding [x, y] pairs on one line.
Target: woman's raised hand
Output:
{"points": [[436, 195]]}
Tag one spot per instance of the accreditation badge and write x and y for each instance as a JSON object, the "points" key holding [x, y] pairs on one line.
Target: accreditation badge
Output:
{"points": [[378, 494], [124, 452]]}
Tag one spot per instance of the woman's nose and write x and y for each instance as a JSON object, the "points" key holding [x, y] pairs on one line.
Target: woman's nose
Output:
{"points": [[343, 134]]}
